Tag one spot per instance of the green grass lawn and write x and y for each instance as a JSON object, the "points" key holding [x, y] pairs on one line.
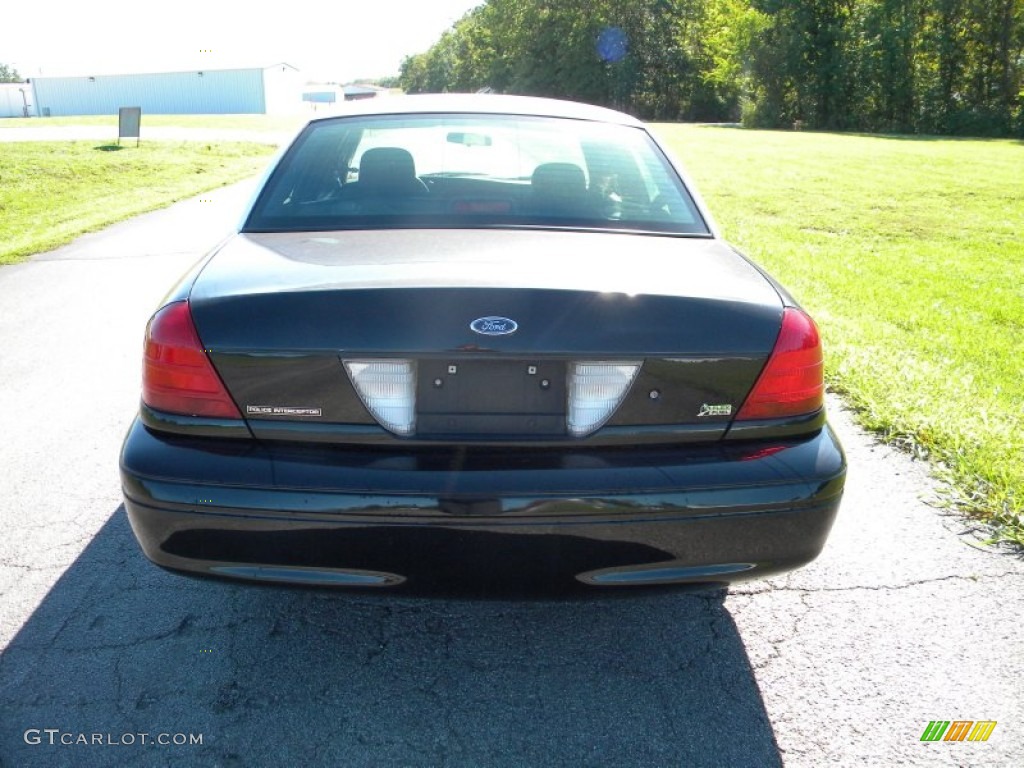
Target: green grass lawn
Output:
{"points": [[51, 192], [270, 123], [910, 254]]}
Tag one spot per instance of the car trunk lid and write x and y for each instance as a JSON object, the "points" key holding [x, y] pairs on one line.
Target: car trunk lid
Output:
{"points": [[494, 322]]}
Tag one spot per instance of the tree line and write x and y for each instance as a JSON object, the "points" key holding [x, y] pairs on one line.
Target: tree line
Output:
{"points": [[902, 66], [9, 75]]}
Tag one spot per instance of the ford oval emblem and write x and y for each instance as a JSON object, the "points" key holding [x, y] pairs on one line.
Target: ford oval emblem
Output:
{"points": [[494, 326]]}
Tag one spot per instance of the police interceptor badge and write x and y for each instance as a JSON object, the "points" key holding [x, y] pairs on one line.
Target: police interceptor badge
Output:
{"points": [[715, 410]]}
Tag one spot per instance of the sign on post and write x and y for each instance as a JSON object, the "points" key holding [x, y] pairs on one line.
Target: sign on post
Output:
{"points": [[129, 120]]}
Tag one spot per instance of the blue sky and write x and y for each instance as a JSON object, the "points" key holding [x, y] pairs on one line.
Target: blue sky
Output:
{"points": [[336, 41]]}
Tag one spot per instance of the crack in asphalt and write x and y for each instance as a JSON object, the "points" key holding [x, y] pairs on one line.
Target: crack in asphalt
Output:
{"points": [[75, 614], [876, 588], [788, 626], [20, 566]]}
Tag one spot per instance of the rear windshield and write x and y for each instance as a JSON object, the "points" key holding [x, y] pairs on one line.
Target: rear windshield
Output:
{"points": [[473, 171]]}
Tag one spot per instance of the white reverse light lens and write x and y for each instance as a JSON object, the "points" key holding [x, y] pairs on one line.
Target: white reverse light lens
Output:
{"points": [[595, 391], [388, 390]]}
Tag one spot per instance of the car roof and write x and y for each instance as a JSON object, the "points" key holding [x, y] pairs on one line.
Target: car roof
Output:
{"points": [[479, 103]]}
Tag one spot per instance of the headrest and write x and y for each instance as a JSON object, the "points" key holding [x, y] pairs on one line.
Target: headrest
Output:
{"points": [[559, 180], [386, 167]]}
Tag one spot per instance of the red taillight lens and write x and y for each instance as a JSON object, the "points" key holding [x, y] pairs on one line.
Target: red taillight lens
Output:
{"points": [[791, 383], [177, 376]]}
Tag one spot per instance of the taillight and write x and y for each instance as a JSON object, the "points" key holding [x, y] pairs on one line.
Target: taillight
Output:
{"points": [[791, 383], [595, 391], [388, 390], [177, 376]]}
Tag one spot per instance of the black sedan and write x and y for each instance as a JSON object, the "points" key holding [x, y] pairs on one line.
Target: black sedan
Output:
{"points": [[469, 342]]}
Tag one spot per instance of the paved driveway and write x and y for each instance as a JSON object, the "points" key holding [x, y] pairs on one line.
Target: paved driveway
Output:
{"points": [[900, 622]]}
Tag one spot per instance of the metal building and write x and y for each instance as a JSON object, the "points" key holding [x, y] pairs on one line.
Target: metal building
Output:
{"points": [[330, 94], [262, 90]]}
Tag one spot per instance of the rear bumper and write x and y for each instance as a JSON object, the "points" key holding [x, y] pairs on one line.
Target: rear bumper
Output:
{"points": [[706, 514]]}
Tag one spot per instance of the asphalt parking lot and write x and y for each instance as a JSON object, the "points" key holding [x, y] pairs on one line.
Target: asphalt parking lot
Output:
{"points": [[903, 620]]}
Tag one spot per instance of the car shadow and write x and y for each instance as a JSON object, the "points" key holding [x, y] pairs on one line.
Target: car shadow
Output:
{"points": [[277, 676]]}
